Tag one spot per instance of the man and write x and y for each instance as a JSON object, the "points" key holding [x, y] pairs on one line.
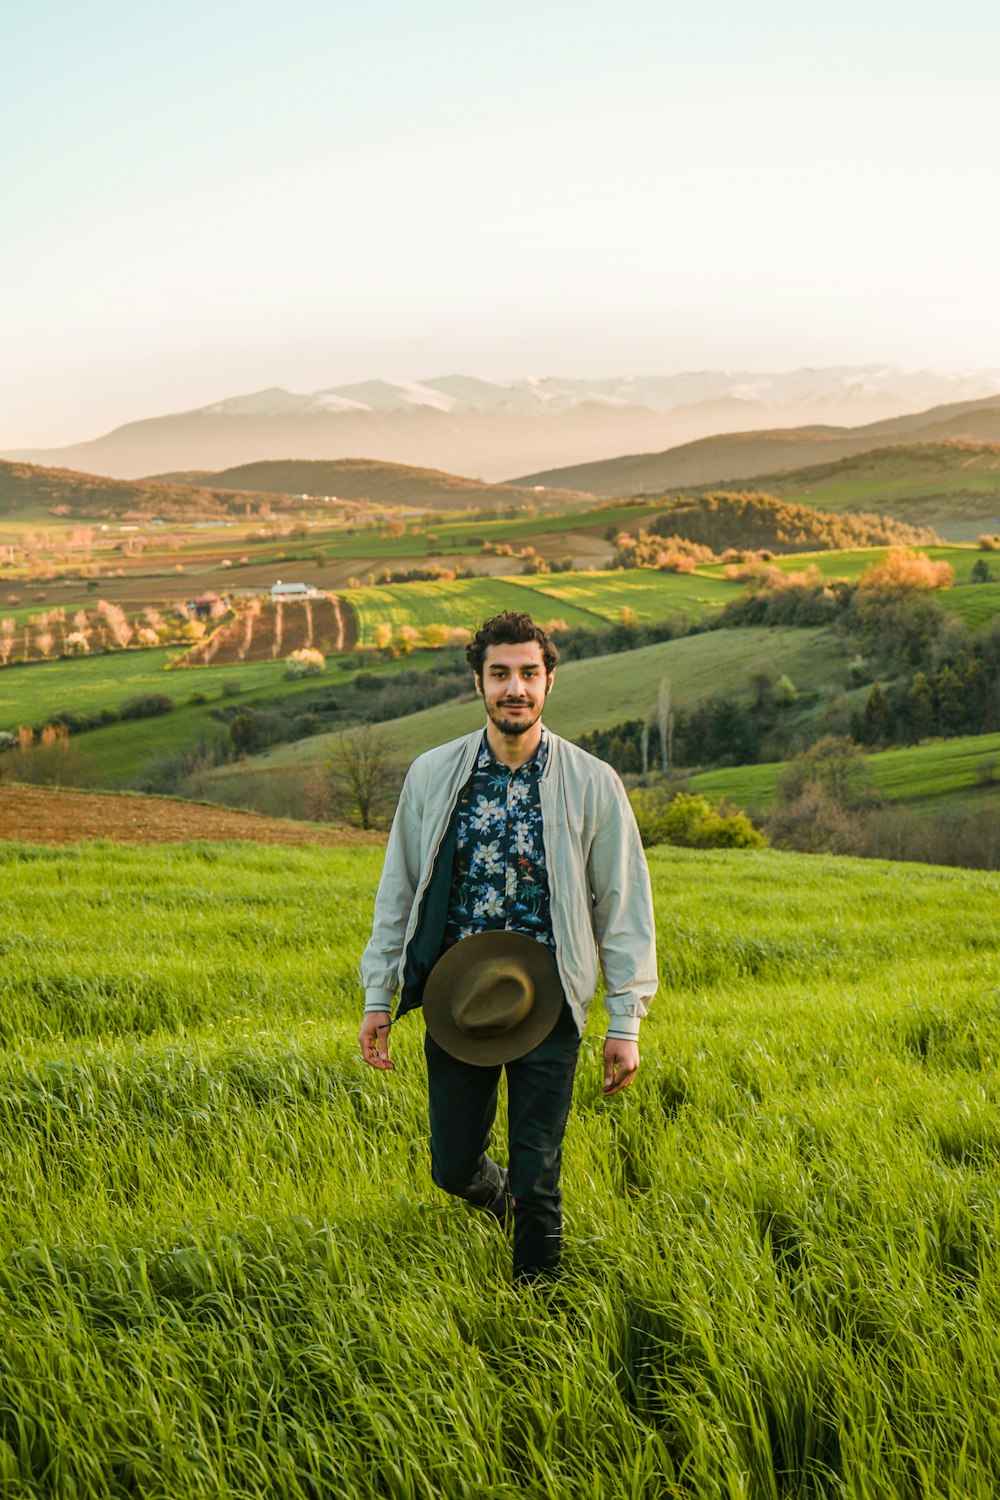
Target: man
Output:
{"points": [[512, 830]]}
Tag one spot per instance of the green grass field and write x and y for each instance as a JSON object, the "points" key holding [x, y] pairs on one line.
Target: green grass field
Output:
{"points": [[115, 755], [225, 1272], [918, 775], [850, 564], [586, 600], [977, 603]]}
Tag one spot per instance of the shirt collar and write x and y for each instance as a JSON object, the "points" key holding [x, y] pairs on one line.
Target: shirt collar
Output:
{"points": [[535, 764]]}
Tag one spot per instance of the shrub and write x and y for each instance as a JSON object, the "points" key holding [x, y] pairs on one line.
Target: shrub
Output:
{"points": [[814, 822], [691, 822], [306, 662], [838, 767], [147, 706]]}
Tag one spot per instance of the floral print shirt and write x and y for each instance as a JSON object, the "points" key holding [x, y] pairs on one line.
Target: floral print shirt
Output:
{"points": [[499, 879]]}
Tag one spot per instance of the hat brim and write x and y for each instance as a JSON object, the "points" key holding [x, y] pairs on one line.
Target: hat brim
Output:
{"points": [[483, 947]]}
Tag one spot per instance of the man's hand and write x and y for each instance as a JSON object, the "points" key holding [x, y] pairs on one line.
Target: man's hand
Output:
{"points": [[373, 1038], [621, 1064]]}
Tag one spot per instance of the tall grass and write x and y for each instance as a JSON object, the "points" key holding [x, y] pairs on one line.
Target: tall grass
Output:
{"points": [[225, 1271]]}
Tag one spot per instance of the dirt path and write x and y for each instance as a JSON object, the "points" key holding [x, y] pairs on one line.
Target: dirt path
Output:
{"points": [[43, 815]]}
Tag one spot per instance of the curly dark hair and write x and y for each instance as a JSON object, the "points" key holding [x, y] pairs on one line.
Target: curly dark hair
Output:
{"points": [[511, 628]]}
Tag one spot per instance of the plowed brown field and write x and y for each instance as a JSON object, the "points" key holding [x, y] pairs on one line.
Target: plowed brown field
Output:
{"points": [[265, 630], [43, 815]]}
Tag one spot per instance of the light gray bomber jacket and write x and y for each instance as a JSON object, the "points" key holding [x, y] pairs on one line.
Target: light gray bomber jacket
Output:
{"points": [[601, 902]]}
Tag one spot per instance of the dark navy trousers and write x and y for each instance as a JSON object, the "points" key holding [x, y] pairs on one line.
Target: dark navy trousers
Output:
{"points": [[463, 1106]]}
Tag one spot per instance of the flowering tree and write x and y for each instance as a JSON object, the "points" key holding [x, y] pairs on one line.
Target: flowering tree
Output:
{"points": [[306, 662], [904, 571]]}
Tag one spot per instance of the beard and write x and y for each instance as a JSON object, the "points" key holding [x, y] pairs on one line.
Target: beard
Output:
{"points": [[513, 726]]}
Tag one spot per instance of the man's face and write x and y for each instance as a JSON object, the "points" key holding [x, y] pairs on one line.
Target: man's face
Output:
{"points": [[514, 685]]}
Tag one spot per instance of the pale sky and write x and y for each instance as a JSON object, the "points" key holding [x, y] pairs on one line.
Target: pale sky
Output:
{"points": [[201, 200]]}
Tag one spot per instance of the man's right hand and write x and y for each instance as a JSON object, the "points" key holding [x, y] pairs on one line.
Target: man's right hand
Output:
{"points": [[373, 1038]]}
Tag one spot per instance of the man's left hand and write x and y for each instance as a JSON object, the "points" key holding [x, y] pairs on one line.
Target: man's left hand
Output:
{"points": [[621, 1064]]}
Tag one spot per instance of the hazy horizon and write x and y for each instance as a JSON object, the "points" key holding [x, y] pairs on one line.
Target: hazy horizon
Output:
{"points": [[208, 203]]}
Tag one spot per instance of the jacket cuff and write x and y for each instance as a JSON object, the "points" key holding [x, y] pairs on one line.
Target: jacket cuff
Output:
{"points": [[376, 999], [625, 1028]]}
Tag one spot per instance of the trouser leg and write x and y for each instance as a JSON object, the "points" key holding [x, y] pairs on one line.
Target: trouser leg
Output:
{"points": [[463, 1106], [540, 1088]]}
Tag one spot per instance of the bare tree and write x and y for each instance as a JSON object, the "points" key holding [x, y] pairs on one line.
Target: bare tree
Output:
{"points": [[665, 719], [359, 780]]}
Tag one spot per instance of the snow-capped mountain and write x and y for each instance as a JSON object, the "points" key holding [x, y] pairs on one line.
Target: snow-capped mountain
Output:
{"points": [[846, 389], [493, 429]]}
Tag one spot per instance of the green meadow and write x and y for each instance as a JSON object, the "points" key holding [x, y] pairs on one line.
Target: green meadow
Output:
{"points": [[850, 564], [919, 775], [587, 600], [225, 1272]]}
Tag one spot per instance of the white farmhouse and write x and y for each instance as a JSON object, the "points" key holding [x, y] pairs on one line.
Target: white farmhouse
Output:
{"points": [[284, 591]]}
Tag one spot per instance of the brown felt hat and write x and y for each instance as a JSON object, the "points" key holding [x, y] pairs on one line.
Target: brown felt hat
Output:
{"points": [[492, 997]]}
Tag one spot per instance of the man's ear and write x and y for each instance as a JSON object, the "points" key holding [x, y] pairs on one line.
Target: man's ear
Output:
{"points": [[549, 681], [479, 683]]}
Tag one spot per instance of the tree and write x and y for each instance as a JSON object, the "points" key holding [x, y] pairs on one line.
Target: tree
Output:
{"points": [[876, 721], [838, 767], [920, 704], [359, 779]]}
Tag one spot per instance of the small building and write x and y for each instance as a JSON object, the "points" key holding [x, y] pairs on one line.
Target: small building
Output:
{"points": [[205, 606], [284, 591]]}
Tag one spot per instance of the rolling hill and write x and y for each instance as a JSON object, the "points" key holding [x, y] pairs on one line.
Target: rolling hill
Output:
{"points": [[31, 489], [35, 490], [954, 486], [368, 479], [740, 456]]}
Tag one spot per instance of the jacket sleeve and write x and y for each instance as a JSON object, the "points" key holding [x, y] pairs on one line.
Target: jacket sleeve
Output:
{"points": [[624, 923], [383, 954]]}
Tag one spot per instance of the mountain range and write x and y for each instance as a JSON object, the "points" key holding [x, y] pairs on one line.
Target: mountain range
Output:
{"points": [[493, 429]]}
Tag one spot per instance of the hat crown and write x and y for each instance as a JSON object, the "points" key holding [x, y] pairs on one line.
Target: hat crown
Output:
{"points": [[493, 998]]}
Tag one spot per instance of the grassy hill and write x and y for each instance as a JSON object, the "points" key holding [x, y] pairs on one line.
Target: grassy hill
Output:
{"points": [[919, 483], [604, 690], [739, 456], [367, 479], [919, 775], [781, 1240]]}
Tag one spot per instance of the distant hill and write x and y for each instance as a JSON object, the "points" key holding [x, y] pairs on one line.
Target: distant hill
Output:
{"points": [[61, 492], [466, 425], [238, 492], [740, 456], [368, 479], [918, 483]]}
